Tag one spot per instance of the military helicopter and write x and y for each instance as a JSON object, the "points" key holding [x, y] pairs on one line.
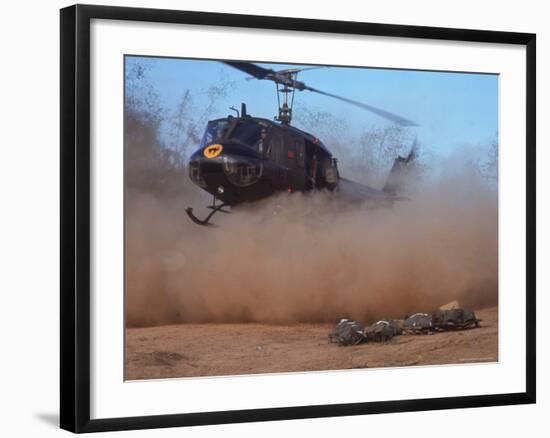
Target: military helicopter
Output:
{"points": [[245, 158]]}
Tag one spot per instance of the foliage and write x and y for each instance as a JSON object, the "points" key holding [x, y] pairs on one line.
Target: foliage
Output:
{"points": [[157, 141]]}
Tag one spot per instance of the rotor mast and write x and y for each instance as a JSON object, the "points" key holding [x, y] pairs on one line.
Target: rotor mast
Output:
{"points": [[283, 94]]}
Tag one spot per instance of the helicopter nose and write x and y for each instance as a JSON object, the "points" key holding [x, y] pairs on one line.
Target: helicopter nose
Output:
{"points": [[207, 160], [205, 168], [242, 171], [221, 169], [197, 170]]}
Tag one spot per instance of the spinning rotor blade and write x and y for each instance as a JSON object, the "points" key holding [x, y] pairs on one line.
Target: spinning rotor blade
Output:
{"points": [[284, 77], [298, 70], [252, 69], [382, 113]]}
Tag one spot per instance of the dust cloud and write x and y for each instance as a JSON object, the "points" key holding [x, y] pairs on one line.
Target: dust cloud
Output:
{"points": [[309, 258]]}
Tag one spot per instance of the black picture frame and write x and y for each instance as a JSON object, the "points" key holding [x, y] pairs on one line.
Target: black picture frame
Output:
{"points": [[75, 217]]}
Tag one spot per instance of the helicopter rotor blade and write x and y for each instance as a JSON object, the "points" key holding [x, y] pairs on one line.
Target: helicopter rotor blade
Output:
{"points": [[378, 111], [281, 77], [298, 70], [252, 69]]}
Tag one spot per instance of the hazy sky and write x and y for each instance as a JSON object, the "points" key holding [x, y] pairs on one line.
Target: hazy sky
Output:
{"points": [[452, 109]]}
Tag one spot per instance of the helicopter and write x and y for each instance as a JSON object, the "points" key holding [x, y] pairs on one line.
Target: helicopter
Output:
{"points": [[244, 158]]}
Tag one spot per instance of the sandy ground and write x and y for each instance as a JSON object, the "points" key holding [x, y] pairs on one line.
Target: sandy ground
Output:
{"points": [[187, 350]]}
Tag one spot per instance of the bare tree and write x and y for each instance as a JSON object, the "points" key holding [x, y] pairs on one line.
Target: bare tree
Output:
{"points": [[157, 140], [367, 156], [185, 124]]}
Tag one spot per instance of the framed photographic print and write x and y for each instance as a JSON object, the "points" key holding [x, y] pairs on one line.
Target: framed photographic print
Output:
{"points": [[270, 218]]}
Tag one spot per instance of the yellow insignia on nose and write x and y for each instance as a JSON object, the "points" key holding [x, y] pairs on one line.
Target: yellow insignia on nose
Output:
{"points": [[213, 150]]}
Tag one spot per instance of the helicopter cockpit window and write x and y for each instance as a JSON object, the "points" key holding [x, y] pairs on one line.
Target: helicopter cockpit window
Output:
{"points": [[248, 132], [215, 132]]}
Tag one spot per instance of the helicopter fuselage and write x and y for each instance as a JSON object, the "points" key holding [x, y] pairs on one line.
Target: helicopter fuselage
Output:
{"points": [[248, 158]]}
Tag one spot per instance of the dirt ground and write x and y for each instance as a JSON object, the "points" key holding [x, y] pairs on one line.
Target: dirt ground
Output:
{"points": [[188, 350]]}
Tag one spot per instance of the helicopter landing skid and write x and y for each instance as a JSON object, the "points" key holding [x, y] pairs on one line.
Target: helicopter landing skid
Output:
{"points": [[218, 208], [205, 221]]}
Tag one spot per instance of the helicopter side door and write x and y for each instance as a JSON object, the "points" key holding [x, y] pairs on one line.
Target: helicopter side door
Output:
{"points": [[295, 160], [276, 153]]}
